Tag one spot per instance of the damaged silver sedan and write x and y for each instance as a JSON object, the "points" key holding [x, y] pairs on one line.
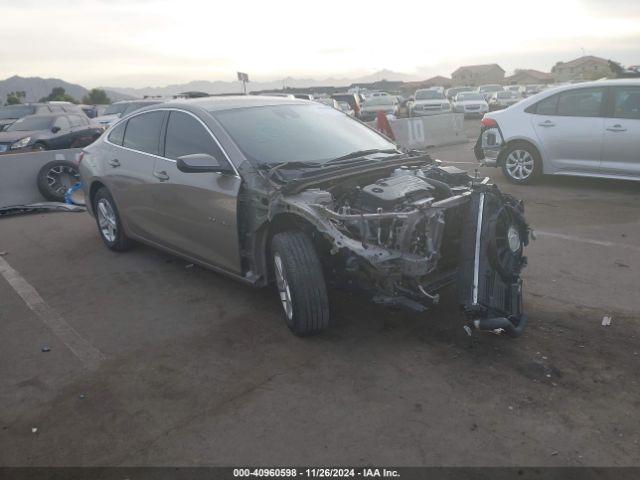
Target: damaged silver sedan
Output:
{"points": [[293, 193]]}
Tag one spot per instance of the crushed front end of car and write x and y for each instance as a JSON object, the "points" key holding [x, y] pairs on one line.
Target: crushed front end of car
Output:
{"points": [[402, 230]]}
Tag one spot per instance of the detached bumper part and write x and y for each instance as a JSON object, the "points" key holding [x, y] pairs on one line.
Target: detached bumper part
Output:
{"points": [[488, 146], [514, 327]]}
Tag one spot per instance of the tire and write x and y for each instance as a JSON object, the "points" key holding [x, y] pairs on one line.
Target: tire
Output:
{"points": [[300, 283], [55, 178], [521, 163], [109, 223]]}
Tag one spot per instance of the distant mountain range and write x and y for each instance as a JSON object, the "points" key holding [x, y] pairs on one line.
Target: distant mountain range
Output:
{"points": [[220, 86], [35, 88]]}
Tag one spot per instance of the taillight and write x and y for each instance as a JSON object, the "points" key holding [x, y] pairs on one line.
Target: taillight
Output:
{"points": [[488, 122]]}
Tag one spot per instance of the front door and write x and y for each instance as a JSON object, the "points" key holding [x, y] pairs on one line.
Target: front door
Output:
{"points": [[569, 126], [621, 152], [195, 213]]}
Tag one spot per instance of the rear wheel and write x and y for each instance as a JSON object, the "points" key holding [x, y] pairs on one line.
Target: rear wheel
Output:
{"points": [[521, 163], [300, 282], [109, 223]]}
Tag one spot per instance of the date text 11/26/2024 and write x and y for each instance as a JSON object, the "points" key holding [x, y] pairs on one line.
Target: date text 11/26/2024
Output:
{"points": [[315, 472]]}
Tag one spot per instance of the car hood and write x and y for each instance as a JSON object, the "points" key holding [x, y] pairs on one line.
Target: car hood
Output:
{"points": [[105, 118], [471, 102], [431, 102], [375, 108], [6, 137]]}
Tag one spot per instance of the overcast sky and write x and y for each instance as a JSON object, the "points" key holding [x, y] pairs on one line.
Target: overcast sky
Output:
{"points": [[153, 43]]}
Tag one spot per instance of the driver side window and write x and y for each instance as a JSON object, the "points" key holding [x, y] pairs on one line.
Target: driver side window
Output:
{"points": [[187, 136]]}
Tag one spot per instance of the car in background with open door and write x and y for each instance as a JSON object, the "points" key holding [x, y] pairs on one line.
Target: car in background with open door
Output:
{"points": [[589, 129]]}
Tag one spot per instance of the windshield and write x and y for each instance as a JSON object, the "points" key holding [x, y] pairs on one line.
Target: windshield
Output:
{"points": [[490, 88], [386, 100], [297, 133], [429, 95], [469, 96], [16, 111], [30, 123], [115, 108], [505, 95]]}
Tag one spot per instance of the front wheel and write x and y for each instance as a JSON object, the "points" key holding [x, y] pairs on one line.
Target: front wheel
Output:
{"points": [[300, 281], [521, 163], [109, 223]]}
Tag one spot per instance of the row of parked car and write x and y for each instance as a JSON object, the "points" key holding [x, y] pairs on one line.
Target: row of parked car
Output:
{"points": [[57, 125]]}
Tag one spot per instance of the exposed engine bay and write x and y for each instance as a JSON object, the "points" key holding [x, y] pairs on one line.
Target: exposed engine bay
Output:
{"points": [[404, 234]]}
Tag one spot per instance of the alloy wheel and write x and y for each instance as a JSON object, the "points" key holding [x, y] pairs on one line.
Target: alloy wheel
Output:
{"points": [[519, 164], [283, 286], [61, 178], [107, 220]]}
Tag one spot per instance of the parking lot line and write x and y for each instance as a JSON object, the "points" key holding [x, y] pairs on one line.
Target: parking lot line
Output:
{"points": [[89, 355], [572, 238]]}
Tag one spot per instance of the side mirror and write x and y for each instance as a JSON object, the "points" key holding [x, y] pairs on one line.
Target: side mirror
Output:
{"points": [[55, 129], [201, 163]]}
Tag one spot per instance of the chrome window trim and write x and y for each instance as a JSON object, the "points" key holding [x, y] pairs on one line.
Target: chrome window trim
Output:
{"points": [[168, 109]]}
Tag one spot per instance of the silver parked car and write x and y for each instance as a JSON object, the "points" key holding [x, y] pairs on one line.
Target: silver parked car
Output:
{"points": [[292, 192], [589, 129]]}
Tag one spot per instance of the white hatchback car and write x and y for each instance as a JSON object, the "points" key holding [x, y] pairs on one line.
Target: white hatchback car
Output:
{"points": [[588, 129]]}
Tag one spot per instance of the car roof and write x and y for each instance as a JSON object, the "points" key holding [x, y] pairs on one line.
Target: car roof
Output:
{"points": [[151, 101], [53, 115], [239, 101]]}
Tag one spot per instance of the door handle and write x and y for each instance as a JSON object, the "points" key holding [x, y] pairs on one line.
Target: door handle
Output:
{"points": [[114, 163], [162, 176], [547, 123], [617, 128]]}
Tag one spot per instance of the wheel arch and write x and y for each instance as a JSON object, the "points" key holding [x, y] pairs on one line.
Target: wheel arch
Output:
{"points": [[521, 140], [95, 186], [283, 222]]}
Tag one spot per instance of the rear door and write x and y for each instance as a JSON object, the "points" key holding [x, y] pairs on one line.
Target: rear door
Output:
{"points": [[196, 212], [129, 170], [569, 126], [621, 152]]}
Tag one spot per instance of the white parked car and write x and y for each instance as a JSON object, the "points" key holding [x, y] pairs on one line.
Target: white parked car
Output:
{"points": [[329, 101], [121, 109], [487, 90], [587, 129], [373, 105], [470, 103], [427, 101], [346, 108], [513, 88], [500, 100]]}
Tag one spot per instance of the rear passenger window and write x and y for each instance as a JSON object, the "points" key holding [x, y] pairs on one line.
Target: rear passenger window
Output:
{"points": [[583, 102], [117, 134], [545, 107], [186, 136], [143, 132], [626, 102]]}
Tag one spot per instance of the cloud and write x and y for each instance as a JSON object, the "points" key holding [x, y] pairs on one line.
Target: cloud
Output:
{"points": [[141, 42]]}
